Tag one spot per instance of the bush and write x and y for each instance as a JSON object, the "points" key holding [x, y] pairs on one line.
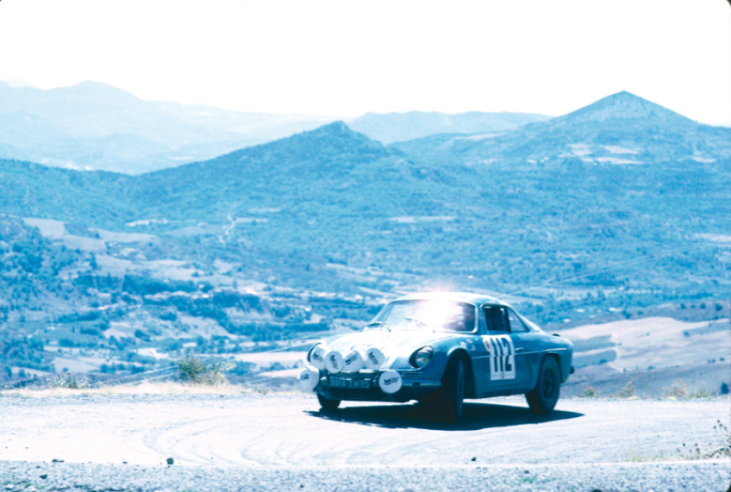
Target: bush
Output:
{"points": [[628, 390], [197, 371], [242, 368], [590, 392], [90, 331], [142, 335], [68, 381], [678, 390]]}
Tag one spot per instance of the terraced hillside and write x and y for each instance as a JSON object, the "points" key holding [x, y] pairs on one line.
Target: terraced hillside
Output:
{"points": [[616, 211]]}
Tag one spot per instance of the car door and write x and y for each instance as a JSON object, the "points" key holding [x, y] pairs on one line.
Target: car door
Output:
{"points": [[520, 334], [502, 346]]}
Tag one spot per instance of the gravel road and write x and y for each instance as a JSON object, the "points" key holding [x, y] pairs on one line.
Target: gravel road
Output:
{"points": [[282, 442]]}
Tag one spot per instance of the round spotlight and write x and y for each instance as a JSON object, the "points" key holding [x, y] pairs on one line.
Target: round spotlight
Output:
{"points": [[390, 382], [316, 356], [353, 362], [308, 379], [334, 362], [374, 358]]}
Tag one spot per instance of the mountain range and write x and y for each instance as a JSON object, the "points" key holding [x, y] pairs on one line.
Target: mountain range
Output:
{"points": [[621, 173], [94, 126]]}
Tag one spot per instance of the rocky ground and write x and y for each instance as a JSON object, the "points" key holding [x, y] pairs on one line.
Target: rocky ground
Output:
{"points": [[678, 476], [234, 440]]}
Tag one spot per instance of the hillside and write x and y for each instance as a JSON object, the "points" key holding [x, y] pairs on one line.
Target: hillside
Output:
{"points": [[314, 231], [618, 129]]}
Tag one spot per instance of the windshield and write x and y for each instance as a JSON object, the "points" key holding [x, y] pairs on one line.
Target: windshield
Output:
{"points": [[427, 314]]}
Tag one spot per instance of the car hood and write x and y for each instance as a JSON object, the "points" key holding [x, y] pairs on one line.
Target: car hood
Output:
{"points": [[392, 343]]}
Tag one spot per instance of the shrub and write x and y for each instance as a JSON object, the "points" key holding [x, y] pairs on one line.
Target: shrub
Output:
{"points": [[701, 393], [169, 316], [678, 390], [142, 335], [724, 389], [90, 331], [590, 392], [65, 342], [628, 390], [242, 368], [197, 371], [68, 381]]}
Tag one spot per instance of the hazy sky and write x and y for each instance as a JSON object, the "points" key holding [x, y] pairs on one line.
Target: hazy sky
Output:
{"points": [[344, 58]]}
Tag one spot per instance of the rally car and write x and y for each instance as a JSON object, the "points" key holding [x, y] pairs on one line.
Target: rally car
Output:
{"points": [[440, 349]]}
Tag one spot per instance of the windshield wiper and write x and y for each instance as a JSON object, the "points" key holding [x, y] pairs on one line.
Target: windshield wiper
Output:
{"points": [[419, 322], [378, 323]]}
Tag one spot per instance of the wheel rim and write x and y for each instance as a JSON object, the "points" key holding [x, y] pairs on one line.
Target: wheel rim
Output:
{"points": [[548, 385]]}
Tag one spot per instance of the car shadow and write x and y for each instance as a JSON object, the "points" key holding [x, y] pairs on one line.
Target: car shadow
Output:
{"points": [[476, 416]]}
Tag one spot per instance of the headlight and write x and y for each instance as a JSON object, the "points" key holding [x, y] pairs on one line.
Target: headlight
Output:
{"points": [[422, 357]]}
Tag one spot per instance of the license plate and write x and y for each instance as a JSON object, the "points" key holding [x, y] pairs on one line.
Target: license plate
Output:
{"points": [[350, 383]]}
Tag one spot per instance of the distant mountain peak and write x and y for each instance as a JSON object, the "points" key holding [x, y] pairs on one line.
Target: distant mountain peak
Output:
{"points": [[623, 106], [332, 140], [336, 127], [335, 131], [18, 83], [89, 89]]}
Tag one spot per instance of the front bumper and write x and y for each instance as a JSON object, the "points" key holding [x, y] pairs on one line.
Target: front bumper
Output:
{"points": [[363, 386]]}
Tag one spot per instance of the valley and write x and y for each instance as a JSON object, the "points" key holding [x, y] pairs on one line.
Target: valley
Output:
{"points": [[616, 213]]}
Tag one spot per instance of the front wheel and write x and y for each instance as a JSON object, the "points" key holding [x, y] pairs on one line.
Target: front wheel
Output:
{"points": [[451, 401], [542, 400], [327, 403]]}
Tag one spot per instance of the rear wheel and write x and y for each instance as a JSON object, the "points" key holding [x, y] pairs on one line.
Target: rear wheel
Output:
{"points": [[327, 403], [451, 399], [542, 400]]}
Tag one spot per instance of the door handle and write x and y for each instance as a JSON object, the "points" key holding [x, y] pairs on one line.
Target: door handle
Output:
{"points": [[519, 349]]}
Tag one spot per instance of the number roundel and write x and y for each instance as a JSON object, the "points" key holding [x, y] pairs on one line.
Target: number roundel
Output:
{"points": [[502, 356]]}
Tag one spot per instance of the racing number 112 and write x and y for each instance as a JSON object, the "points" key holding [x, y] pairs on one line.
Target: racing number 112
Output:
{"points": [[503, 360]]}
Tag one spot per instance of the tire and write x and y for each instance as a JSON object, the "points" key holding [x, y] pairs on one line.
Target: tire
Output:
{"points": [[327, 403], [542, 400], [451, 399]]}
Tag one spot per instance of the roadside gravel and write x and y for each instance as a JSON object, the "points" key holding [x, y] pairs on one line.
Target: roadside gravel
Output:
{"points": [[642, 477]]}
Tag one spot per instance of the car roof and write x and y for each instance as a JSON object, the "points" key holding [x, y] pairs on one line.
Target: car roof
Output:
{"points": [[472, 298]]}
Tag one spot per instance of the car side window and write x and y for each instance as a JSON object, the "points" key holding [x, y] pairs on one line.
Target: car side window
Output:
{"points": [[516, 325], [496, 317]]}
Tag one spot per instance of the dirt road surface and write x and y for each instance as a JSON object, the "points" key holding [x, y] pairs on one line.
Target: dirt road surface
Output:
{"points": [[124, 441]]}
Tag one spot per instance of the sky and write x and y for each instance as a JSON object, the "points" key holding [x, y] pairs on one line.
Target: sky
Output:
{"points": [[345, 58]]}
